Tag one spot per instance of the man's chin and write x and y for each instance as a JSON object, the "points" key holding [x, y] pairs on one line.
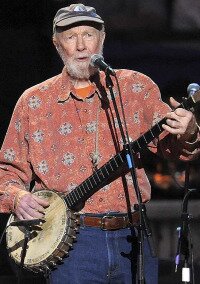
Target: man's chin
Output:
{"points": [[80, 72], [78, 75]]}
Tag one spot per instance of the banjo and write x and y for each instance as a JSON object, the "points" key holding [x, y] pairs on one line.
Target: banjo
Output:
{"points": [[51, 241]]}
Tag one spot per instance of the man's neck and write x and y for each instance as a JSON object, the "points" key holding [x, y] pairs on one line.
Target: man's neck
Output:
{"points": [[81, 83]]}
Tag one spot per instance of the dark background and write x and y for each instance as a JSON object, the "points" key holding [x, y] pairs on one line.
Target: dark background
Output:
{"points": [[158, 38]]}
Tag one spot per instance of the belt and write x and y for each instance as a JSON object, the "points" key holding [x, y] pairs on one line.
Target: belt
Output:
{"points": [[109, 222]]}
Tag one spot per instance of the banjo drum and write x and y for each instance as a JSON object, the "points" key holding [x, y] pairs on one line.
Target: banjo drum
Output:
{"points": [[48, 242]]}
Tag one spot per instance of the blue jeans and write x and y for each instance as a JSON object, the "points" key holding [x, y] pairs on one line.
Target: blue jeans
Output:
{"points": [[103, 257]]}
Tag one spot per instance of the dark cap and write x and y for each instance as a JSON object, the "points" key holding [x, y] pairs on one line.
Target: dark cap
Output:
{"points": [[75, 13]]}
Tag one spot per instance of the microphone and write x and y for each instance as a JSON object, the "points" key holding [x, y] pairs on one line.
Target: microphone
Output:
{"points": [[27, 223], [192, 89], [98, 61]]}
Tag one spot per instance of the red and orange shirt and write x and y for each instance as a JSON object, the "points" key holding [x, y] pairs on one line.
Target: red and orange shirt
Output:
{"points": [[54, 132]]}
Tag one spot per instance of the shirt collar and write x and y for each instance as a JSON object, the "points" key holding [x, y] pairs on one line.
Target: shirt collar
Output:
{"points": [[66, 87]]}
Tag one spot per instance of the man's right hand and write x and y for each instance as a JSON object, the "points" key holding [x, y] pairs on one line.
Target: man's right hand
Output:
{"points": [[29, 206]]}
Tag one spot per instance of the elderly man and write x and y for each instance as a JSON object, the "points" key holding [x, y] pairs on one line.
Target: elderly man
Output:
{"points": [[65, 129]]}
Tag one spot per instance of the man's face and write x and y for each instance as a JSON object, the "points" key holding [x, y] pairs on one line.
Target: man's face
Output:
{"points": [[76, 46]]}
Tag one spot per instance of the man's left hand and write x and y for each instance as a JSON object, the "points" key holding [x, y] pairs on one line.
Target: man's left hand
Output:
{"points": [[180, 122]]}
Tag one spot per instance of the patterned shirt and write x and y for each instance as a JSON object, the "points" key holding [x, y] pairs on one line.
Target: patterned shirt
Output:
{"points": [[53, 135]]}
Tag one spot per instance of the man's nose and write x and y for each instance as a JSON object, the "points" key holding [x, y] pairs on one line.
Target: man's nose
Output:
{"points": [[80, 43]]}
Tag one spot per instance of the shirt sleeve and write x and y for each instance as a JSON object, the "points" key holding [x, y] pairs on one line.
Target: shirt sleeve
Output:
{"points": [[15, 168], [168, 145]]}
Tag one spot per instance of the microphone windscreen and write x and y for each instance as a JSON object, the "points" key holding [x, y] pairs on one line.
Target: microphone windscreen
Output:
{"points": [[95, 58], [192, 88]]}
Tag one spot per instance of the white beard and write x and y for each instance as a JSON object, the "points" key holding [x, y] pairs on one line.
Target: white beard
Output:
{"points": [[78, 70]]}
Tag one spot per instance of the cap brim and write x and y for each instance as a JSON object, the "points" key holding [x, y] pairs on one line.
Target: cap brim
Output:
{"points": [[69, 21]]}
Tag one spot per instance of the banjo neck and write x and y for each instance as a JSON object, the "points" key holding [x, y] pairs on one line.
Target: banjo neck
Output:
{"points": [[107, 172]]}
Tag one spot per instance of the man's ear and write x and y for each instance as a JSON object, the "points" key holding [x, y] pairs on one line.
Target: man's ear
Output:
{"points": [[55, 42], [103, 37]]}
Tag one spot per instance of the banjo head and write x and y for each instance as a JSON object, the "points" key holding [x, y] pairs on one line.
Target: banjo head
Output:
{"points": [[50, 241]]}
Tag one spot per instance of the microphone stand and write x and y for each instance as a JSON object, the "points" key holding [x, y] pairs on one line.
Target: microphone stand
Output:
{"points": [[27, 234], [28, 227], [24, 248], [143, 227], [183, 242]]}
